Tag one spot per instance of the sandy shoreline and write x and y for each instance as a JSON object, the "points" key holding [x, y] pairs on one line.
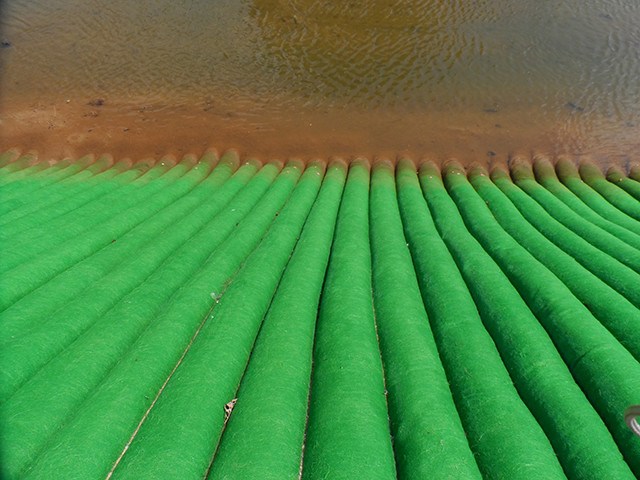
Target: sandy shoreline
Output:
{"points": [[137, 130]]}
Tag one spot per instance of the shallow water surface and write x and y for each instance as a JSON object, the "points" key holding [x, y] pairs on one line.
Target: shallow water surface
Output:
{"points": [[476, 80]]}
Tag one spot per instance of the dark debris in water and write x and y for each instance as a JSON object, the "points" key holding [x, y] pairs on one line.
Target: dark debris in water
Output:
{"points": [[5, 44], [98, 102], [574, 106]]}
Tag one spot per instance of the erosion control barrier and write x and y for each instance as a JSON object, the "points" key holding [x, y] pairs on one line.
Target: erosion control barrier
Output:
{"points": [[216, 318]]}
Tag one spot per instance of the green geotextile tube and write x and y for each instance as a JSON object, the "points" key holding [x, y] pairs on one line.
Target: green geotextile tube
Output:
{"points": [[596, 236], [602, 367], [348, 432], [8, 157], [263, 437], [489, 405], [32, 336], [24, 202], [616, 274], [54, 229], [579, 437], [169, 228], [102, 425], [70, 195], [613, 310], [28, 276], [38, 184], [545, 174], [569, 175], [31, 171], [34, 188], [37, 414], [179, 436], [612, 193], [24, 161], [429, 441], [67, 198], [616, 176]]}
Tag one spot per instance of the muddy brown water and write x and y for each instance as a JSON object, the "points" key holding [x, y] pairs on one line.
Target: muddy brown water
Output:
{"points": [[475, 80]]}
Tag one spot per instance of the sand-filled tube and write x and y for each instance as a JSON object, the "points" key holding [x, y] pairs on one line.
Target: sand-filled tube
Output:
{"points": [[615, 195], [208, 377], [545, 175], [429, 441], [579, 437], [37, 186], [616, 176], [613, 310], [569, 175], [129, 389], [20, 163], [348, 432], [604, 369], [34, 411], [598, 237], [616, 274], [25, 211], [27, 276], [489, 405], [36, 337], [264, 435], [65, 219], [7, 157], [78, 210]]}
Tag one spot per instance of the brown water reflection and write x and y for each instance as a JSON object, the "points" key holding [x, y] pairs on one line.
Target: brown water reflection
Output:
{"points": [[275, 78]]}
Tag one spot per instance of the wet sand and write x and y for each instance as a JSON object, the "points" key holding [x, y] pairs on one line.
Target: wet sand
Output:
{"points": [[138, 130]]}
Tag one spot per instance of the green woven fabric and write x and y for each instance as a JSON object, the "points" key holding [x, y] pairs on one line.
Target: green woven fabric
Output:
{"points": [[569, 175], [489, 405], [348, 432], [32, 408], [614, 311], [578, 435], [429, 441], [263, 437], [602, 367]]}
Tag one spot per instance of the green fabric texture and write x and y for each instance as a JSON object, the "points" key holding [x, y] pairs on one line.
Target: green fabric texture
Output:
{"points": [[615, 195], [8, 157], [25, 211], [31, 336], [619, 276], [429, 441], [103, 424], [32, 409], [616, 176], [209, 375], [545, 174], [602, 367], [38, 184], [569, 175], [579, 437], [29, 275], [71, 194], [31, 172], [264, 435], [598, 237], [489, 405], [613, 310], [52, 230], [348, 431], [22, 162]]}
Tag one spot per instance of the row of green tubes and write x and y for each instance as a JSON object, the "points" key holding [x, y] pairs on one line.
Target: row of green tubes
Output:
{"points": [[220, 318]]}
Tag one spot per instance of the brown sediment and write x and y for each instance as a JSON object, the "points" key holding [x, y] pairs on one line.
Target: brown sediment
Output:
{"points": [[138, 130]]}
